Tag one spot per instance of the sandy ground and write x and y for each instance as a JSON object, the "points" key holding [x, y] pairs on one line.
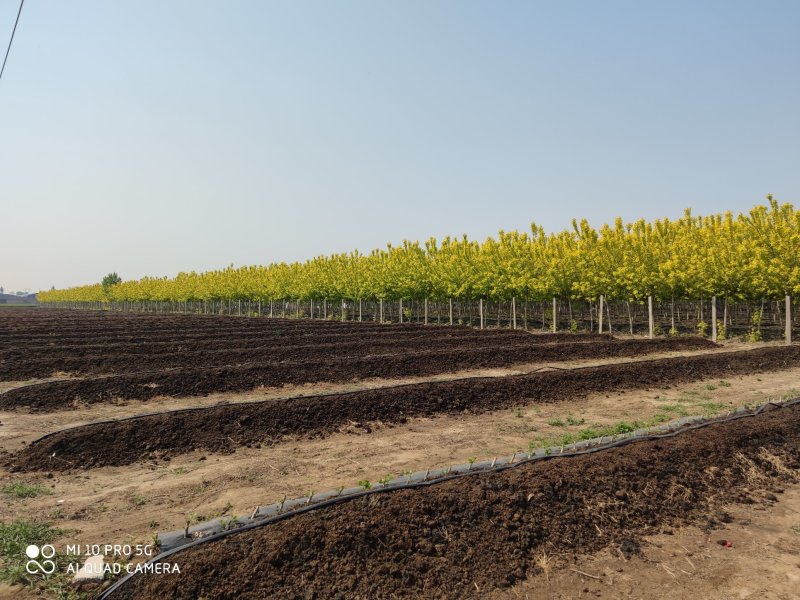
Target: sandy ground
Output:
{"points": [[687, 563]]}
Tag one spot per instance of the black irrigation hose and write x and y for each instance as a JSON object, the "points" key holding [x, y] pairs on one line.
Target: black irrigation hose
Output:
{"points": [[494, 469]]}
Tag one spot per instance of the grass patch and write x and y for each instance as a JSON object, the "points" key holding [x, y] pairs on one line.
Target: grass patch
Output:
{"points": [[712, 408], [710, 386], [20, 489], [677, 409], [573, 421], [14, 538], [556, 423], [724, 383]]}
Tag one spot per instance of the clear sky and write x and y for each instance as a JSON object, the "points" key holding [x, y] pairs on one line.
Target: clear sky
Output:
{"points": [[149, 137]]}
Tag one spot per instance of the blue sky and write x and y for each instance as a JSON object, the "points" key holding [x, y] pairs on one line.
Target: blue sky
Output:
{"points": [[151, 137]]}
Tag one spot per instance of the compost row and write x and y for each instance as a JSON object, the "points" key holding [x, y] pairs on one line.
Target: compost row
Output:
{"points": [[514, 350], [224, 428], [226, 342], [289, 333], [470, 536]]}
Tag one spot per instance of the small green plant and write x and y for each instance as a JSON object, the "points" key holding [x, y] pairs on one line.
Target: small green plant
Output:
{"points": [[386, 479], [191, 519], [673, 332], [364, 484], [710, 386], [573, 421], [556, 423], [531, 447], [139, 500], [518, 413], [722, 332], [339, 490], [471, 460], [754, 335], [228, 506], [228, 522], [180, 471], [702, 328], [19, 489], [658, 330], [573, 326], [795, 529], [724, 383], [153, 524]]}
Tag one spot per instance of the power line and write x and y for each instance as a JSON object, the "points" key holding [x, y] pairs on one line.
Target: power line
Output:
{"points": [[12, 38]]}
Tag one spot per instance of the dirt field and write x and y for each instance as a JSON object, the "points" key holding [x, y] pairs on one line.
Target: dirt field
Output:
{"points": [[163, 488]]}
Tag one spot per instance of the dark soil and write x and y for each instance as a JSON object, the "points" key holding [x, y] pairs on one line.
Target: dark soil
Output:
{"points": [[86, 328], [228, 342], [304, 365], [467, 537], [516, 349], [224, 428], [21, 364]]}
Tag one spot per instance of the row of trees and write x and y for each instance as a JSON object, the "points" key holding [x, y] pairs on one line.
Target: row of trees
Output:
{"points": [[749, 257]]}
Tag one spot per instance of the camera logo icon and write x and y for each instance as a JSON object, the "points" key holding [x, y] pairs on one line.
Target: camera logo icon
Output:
{"points": [[46, 566]]}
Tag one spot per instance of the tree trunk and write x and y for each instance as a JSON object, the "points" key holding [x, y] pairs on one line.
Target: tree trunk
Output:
{"points": [[714, 319], [426, 312], [381, 310], [555, 314], [513, 312], [359, 310], [725, 313], [525, 314], [451, 311], [788, 333], [672, 311], [630, 316], [400, 313], [480, 312], [600, 315], [650, 319]]}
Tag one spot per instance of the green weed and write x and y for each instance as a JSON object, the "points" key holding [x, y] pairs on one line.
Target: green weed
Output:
{"points": [[19, 489]]}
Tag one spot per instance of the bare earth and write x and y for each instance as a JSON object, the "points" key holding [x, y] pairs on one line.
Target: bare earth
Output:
{"points": [[130, 504], [688, 563]]}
